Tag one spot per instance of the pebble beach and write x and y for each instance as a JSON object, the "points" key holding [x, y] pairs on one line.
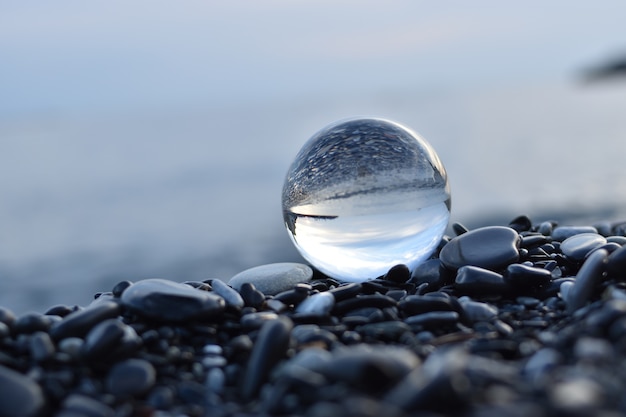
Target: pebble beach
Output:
{"points": [[513, 319]]}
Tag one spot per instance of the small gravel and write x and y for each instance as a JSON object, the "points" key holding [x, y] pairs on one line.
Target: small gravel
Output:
{"points": [[520, 319]]}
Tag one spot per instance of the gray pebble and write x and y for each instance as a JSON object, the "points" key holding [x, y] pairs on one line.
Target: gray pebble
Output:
{"points": [[563, 232], [272, 279], [579, 245]]}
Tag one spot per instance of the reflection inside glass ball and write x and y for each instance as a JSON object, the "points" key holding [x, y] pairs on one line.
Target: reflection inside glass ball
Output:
{"points": [[363, 195]]}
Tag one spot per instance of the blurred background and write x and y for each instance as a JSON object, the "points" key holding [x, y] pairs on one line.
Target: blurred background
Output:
{"points": [[150, 139]]}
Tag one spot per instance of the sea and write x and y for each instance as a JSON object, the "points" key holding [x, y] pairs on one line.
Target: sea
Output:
{"points": [[193, 192]]}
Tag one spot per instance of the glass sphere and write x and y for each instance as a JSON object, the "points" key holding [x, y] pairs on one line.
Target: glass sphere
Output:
{"points": [[363, 195]]}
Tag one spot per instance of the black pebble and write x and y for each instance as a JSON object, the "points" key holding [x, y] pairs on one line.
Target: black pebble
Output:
{"points": [[271, 345], [398, 273], [80, 322], [492, 247], [479, 281]]}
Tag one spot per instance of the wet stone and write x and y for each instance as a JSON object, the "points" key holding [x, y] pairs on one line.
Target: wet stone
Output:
{"points": [[492, 248], [588, 277], [399, 273], [419, 304], [524, 277], [132, 377], [251, 296], [229, 295], [479, 281], [430, 272], [20, 395], [164, 300], [271, 346], [80, 322], [521, 223], [272, 279], [295, 295], [616, 264], [319, 304], [103, 339], [578, 246], [620, 240]]}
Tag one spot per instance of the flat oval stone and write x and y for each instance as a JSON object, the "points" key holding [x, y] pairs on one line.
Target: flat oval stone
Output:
{"points": [[419, 304], [272, 279], [77, 324], [589, 275], [20, 395], [480, 281], [578, 246], [164, 300], [131, 377], [563, 232], [492, 248]]}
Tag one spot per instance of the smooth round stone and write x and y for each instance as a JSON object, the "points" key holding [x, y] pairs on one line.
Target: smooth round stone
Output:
{"points": [[318, 304], [103, 339], [578, 246], [272, 279], [19, 395], [164, 300], [480, 281], [131, 377], [492, 247], [589, 275], [563, 232]]}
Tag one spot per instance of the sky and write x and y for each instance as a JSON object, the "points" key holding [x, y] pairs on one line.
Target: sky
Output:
{"points": [[74, 56]]}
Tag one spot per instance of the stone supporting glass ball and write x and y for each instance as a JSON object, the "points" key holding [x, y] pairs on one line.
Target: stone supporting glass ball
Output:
{"points": [[363, 195]]}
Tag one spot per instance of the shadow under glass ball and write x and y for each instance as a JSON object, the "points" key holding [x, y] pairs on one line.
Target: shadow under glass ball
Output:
{"points": [[363, 195]]}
